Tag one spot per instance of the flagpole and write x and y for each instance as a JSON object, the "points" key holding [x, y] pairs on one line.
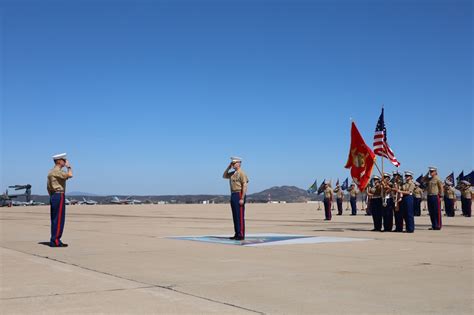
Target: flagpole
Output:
{"points": [[375, 163], [384, 201]]}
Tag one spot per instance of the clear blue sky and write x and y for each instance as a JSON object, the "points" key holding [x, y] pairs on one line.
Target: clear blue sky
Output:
{"points": [[152, 97]]}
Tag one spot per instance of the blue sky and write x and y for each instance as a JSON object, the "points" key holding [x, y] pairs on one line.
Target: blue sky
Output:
{"points": [[153, 97]]}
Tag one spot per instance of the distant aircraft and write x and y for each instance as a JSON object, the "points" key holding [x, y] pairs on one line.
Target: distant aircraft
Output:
{"points": [[27, 203], [36, 203], [88, 202], [127, 201], [117, 201], [17, 203], [135, 202], [71, 201]]}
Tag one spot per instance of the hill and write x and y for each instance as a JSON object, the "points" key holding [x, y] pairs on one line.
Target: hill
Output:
{"points": [[276, 193]]}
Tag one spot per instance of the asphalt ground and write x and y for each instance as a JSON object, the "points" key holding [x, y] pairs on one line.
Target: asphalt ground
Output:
{"points": [[120, 260]]}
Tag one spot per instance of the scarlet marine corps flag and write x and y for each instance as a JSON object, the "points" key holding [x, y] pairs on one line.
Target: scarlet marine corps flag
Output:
{"points": [[361, 159]]}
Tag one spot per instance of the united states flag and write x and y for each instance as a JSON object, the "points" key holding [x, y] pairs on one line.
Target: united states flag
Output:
{"points": [[381, 146]]}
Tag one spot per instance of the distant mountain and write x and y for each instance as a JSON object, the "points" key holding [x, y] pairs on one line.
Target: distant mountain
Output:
{"points": [[277, 193], [282, 193], [80, 193]]}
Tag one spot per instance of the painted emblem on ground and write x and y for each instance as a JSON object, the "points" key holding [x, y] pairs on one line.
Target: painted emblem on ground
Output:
{"points": [[269, 239]]}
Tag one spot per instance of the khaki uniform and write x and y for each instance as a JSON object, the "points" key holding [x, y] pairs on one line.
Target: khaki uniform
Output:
{"points": [[328, 193], [418, 192], [466, 200], [435, 190], [56, 180], [466, 193], [339, 197], [435, 187], [376, 191], [409, 186], [238, 179], [376, 206], [327, 202], [56, 188], [352, 191], [450, 192], [407, 209]]}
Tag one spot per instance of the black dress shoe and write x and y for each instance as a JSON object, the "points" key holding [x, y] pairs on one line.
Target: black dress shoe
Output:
{"points": [[60, 245], [232, 238], [240, 238]]}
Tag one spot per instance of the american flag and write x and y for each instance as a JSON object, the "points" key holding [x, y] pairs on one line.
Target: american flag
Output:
{"points": [[381, 146]]}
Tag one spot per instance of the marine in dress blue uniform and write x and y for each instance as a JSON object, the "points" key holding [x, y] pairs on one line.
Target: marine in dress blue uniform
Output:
{"points": [[327, 201], [353, 198], [56, 186], [466, 198], [417, 195], [238, 187], [339, 198], [406, 207], [435, 194], [375, 194], [449, 198]]}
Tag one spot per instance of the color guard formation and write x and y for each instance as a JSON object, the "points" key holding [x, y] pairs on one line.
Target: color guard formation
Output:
{"points": [[395, 200]]}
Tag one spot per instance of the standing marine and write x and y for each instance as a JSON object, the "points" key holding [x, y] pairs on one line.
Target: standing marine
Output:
{"points": [[449, 198], [339, 198], [353, 198], [238, 188], [328, 194], [435, 192], [56, 186], [406, 207]]}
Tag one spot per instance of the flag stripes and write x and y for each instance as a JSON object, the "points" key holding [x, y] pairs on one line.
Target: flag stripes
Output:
{"points": [[381, 147]]}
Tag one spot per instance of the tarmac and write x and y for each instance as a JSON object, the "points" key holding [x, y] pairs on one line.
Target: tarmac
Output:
{"points": [[121, 259]]}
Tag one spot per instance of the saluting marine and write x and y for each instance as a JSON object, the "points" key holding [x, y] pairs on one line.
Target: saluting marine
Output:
{"points": [[327, 201], [466, 198], [339, 199], [449, 198], [56, 186], [375, 195], [435, 192], [406, 207], [417, 194], [353, 198], [238, 187]]}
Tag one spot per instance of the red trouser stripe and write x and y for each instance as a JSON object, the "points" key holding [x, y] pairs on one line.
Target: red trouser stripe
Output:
{"points": [[242, 233], [58, 228], [439, 213]]}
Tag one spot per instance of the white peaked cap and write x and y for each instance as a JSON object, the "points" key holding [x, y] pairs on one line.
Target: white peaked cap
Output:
{"points": [[61, 156], [236, 159]]}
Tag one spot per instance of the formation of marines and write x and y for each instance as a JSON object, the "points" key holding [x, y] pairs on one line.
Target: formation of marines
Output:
{"points": [[396, 200], [391, 198]]}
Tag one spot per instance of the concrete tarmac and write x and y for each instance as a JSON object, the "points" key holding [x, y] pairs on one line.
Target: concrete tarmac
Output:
{"points": [[119, 260]]}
